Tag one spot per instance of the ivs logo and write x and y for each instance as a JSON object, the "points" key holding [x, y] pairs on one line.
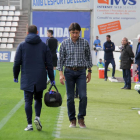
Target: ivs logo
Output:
{"points": [[117, 2]]}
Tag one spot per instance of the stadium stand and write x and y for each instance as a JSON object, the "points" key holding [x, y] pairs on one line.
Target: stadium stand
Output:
{"points": [[13, 23]]}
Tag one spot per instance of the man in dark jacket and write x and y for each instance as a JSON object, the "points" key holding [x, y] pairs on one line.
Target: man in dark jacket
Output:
{"points": [[33, 56], [109, 47], [137, 57], [126, 61], [52, 44]]}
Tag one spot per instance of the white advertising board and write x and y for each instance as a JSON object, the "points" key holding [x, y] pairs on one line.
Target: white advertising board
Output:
{"points": [[118, 18]]}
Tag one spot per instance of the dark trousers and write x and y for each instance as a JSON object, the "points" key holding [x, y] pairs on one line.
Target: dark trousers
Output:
{"points": [[107, 62], [78, 78], [139, 72], [127, 77], [29, 101]]}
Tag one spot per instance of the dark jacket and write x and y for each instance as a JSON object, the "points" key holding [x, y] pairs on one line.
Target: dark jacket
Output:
{"points": [[109, 47], [33, 56], [137, 57], [126, 56]]}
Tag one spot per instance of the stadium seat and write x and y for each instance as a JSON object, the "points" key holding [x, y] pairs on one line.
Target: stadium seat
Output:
{"points": [[0, 34], [11, 13], [3, 18], [17, 13], [0, 39], [9, 18], [13, 8], [0, 12], [1, 29], [14, 24], [1, 7], [9, 46], [2, 23], [11, 40], [12, 35], [13, 29], [6, 8], [5, 13], [3, 46], [5, 34], [4, 40], [8, 24], [16, 19], [7, 29]]}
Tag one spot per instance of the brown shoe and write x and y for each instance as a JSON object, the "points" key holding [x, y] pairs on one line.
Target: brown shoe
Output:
{"points": [[81, 123], [72, 124]]}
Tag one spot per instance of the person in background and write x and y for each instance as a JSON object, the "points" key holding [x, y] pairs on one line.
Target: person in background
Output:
{"points": [[75, 56], [52, 44], [137, 57], [126, 61], [100, 64], [32, 57], [109, 47], [97, 45], [129, 43]]}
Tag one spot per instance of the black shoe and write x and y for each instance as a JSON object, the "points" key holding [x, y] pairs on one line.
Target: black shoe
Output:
{"points": [[113, 77], [29, 128], [105, 79], [108, 70], [127, 88], [38, 124]]}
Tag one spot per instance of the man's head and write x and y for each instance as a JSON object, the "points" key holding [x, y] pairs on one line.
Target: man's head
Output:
{"points": [[108, 38], [97, 37], [74, 30], [139, 40], [50, 33], [32, 29], [124, 41], [100, 60]]}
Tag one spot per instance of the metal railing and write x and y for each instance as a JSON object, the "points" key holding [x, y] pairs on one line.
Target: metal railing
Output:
{"points": [[17, 3]]}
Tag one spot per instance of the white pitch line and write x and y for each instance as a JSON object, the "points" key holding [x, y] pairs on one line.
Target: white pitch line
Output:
{"points": [[11, 113], [57, 131]]}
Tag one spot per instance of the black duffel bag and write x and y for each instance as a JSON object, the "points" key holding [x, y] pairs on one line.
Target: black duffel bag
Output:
{"points": [[53, 98]]}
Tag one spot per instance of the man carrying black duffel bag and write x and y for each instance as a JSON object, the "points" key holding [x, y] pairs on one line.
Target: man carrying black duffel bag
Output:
{"points": [[33, 56]]}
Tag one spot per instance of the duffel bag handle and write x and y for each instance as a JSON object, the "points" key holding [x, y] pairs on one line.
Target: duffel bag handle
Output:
{"points": [[52, 86]]}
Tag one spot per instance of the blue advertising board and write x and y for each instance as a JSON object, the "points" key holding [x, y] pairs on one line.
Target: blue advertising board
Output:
{"points": [[5, 56], [59, 22]]}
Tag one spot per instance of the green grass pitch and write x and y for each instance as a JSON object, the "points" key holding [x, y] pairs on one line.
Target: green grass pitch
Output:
{"points": [[109, 112]]}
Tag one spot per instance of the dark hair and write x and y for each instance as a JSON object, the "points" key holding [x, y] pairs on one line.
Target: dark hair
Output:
{"points": [[50, 31], [108, 36], [100, 59], [32, 29], [96, 36], [74, 26]]}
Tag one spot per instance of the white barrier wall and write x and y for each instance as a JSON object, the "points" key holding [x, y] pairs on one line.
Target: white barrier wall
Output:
{"points": [[100, 54]]}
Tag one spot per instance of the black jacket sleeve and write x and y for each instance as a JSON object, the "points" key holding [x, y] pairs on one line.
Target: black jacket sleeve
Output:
{"points": [[131, 54], [49, 64], [17, 62]]}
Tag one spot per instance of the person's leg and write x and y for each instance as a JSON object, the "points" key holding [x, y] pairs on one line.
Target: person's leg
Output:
{"points": [[128, 78], [28, 106], [114, 66], [106, 67], [124, 77], [70, 87], [38, 103], [139, 72], [82, 89], [54, 69]]}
